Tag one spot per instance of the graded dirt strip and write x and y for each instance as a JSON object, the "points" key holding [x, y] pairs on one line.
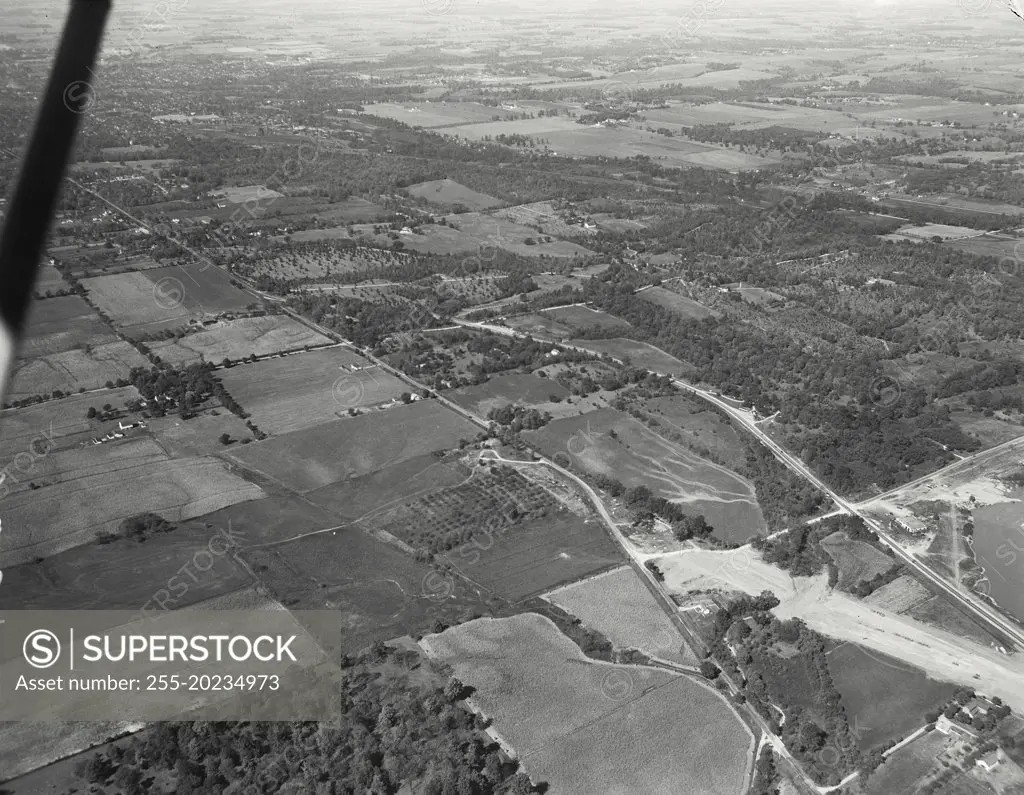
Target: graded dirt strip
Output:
{"points": [[941, 655]]}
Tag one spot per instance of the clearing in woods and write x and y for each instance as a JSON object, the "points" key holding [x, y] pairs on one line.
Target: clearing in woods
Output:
{"points": [[585, 726]]}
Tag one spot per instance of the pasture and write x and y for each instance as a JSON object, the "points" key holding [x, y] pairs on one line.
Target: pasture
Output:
{"points": [[638, 354], [618, 605], [690, 421], [613, 444], [536, 555], [583, 726], [377, 591], [359, 498], [856, 560], [72, 370], [84, 501], [431, 115], [166, 297], [235, 339], [125, 575], [449, 193], [198, 435], [291, 393], [885, 697], [60, 324], [929, 231], [498, 391], [567, 321], [678, 304], [316, 457]]}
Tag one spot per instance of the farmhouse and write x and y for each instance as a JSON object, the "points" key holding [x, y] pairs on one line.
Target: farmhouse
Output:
{"points": [[989, 761], [952, 729]]}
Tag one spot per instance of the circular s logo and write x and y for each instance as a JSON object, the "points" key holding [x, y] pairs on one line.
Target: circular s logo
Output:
{"points": [[41, 648]]}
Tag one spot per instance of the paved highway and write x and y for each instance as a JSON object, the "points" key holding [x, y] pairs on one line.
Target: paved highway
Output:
{"points": [[988, 615]]}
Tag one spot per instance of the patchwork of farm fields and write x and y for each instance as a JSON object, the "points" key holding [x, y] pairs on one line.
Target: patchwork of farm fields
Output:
{"points": [[126, 575], [235, 339], [63, 420], [583, 726], [60, 324], [292, 393], [619, 606], [70, 512], [167, 297], [310, 459], [637, 456], [73, 370]]}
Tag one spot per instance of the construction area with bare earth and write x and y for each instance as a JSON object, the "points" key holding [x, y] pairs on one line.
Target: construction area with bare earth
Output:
{"points": [[587, 726]]}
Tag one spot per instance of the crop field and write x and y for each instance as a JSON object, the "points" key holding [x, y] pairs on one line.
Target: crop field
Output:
{"points": [[125, 575], [69, 513], [377, 591], [637, 456], [76, 369], [277, 517], [316, 457], [168, 297], [582, 726], [48, 278], [449, 193], [904, 770], [619, 606], [295, 392], [938, 612], [678, 304], [639, 354], [245, 193], [358, 497], [522, 390], [63, 419], [747, 115], [235, 339], [856, 560], [900, 595], [885, 697], [437, 114], [536, 555], [59, 324]]}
